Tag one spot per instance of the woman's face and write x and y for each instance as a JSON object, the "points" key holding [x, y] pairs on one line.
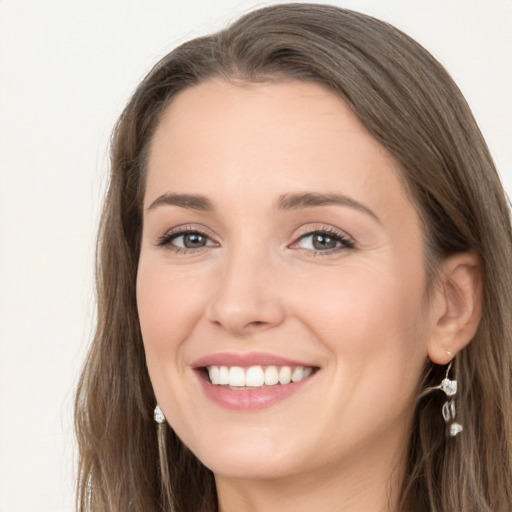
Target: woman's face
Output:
{"points": [[278, 243]]}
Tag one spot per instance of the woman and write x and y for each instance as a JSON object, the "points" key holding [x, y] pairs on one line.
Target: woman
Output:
{"points": [[304, 260]]}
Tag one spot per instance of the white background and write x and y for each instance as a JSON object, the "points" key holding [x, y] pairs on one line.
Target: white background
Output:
{"points": [[66, 70]]}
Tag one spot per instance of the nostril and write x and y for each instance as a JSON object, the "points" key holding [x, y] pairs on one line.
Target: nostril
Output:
{"points": [[242, 315], [256, 325]]}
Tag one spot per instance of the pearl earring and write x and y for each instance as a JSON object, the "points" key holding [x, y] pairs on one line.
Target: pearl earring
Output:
{"points": [[159, 415]]}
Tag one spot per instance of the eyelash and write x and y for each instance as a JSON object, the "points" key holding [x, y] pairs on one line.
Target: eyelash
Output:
{"points": [[165, 241], [344, 241]]}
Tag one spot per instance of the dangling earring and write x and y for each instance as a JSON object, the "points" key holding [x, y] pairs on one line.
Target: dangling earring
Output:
{"points": [[449, 411], [161, 432], [159, 415]]}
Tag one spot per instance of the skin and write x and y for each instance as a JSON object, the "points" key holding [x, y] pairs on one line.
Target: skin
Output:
{"points": [[358, 312]]}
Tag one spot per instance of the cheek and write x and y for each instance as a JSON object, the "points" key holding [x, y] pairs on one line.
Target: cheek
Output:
{"points": [[169, 306], [373, 324], [362, 310]]}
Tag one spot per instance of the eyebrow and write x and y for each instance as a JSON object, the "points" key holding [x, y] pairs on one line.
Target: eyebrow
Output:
{"points": [[312, 199], [296, 201], [190, 201]]}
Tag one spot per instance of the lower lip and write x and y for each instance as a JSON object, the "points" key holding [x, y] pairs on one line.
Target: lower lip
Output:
{"points": [[250, 399]]}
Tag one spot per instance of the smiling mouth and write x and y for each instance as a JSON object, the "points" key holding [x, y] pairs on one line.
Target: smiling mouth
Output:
{"points": [[255, 377]]}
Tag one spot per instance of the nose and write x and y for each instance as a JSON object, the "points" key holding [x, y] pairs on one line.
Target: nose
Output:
{"points": [[248, 297]]}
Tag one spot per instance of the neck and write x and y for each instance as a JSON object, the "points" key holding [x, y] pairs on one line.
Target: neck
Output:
{"points": [[360, 485]]}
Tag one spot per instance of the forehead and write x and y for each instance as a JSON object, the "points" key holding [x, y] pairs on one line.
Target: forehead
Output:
{"points": [[302, 108], [271, 137]]}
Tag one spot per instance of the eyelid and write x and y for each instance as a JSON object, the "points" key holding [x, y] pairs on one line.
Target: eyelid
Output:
{"points": [[345, 239], [164, 240]]}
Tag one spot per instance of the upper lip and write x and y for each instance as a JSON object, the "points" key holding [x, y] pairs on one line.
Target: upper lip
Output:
{"points": [[246, 360]]}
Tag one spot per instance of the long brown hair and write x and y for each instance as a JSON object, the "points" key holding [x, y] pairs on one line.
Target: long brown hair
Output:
{"points": [[409, 103]]}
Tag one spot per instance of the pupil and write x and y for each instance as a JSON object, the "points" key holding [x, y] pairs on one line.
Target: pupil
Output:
{"points": [[193, 240], [323, 242]]}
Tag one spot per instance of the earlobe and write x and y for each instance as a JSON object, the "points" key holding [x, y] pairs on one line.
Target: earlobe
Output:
{"points": [[458, 307]]}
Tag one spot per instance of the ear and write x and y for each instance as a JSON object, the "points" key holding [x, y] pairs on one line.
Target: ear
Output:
{"points": [[456, 308]]}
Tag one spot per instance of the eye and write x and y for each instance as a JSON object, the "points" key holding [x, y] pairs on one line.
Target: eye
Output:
{"points": [[323, 241], [190, 240], [184, 241]]}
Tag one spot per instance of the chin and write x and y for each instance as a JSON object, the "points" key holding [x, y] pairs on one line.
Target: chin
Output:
{"points": [[252, 460]]}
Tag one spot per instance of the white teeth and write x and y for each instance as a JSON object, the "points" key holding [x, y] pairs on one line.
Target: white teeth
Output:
{"points": [[214, 373], [236, 376], [271, 376], [223, 375], [285, 375], [256, 376], [297, 374]]}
